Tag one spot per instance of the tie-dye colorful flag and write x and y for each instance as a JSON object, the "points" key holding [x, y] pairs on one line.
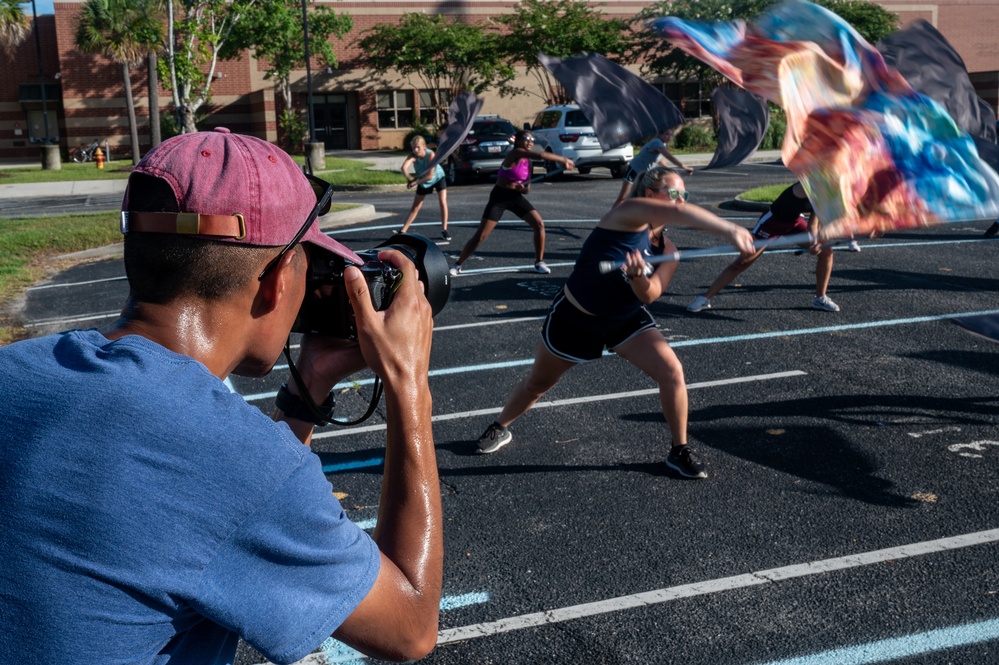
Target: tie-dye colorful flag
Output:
{"points": [[934, 68], [872, 154]]}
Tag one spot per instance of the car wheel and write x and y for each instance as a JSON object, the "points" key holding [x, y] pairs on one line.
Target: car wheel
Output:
{"points": [[451, 173], [583, 170], [618, 170]]}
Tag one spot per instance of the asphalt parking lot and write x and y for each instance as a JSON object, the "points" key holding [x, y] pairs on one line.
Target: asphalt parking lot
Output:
{"points": [[851, 514]]}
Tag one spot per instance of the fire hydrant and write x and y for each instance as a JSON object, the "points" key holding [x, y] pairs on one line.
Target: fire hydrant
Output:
{"points": [[99, 158]]}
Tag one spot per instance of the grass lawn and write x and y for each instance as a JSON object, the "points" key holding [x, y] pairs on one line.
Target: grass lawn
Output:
{"points": [[765, 194], [29, 244]]}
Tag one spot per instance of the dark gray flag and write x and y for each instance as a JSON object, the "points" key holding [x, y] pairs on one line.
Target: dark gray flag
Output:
{"points": [[460, 116], [988, 132], [933, 68], [742, 121], [622, 107]]}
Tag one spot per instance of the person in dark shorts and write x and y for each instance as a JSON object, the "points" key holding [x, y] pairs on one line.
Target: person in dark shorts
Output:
{"points": [[595, 311], [512, 182], [785, 217], [432, 181]]}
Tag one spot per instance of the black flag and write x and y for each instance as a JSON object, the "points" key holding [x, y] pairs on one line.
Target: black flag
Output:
{"points": [[742, 121], [622, 107], [460, 116], [933, 68]]}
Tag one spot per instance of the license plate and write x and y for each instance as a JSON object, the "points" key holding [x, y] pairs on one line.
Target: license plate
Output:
{"points": [[494, 148], [590, 140]]}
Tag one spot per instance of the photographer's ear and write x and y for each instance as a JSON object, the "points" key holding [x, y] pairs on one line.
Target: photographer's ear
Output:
{"points": [[281, 279]]}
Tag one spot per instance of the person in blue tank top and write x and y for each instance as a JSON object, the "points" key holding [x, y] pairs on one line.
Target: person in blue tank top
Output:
{"points": [[595, 311], [151, 515], [426, 180]]}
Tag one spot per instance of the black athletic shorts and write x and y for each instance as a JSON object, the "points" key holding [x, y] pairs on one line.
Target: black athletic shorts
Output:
{"points": [[579, 337], [424, 189], [502, 199]]}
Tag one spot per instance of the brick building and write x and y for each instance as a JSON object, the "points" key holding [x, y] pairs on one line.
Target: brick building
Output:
{"points": [[84, 94]]}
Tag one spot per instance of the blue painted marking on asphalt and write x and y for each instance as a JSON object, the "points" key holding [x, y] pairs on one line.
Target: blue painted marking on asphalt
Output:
{"points": [[690, 342], [347, 466], [367, 525], [337, 652], [902, 647], [464, 600]]}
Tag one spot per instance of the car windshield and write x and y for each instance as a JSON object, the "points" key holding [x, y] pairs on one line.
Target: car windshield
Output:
{"points": [[486, 130], [576, 119]]}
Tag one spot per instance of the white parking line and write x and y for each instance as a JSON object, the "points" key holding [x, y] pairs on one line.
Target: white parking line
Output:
{"points": [[659, 596], [570, 401]]}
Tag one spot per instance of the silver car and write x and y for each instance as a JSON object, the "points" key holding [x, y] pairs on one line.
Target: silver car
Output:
{"points": [[566, 131]]}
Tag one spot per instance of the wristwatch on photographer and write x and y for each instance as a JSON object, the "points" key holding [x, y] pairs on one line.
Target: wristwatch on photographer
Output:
{"points": [[295, 407]]}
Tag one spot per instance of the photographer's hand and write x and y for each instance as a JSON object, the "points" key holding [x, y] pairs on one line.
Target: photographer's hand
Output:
{"points": [[402, 608]]}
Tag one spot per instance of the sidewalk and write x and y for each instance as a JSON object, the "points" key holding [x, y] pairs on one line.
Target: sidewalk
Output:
{"points": [[381, 161]]}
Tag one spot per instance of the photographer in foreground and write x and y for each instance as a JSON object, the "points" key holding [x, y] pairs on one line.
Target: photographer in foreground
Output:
{"points": [[151, 515]]}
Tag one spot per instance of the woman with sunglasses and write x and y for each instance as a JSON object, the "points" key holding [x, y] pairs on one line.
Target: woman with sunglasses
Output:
{"points": [[513, 181], [595, 311], [785, 217]]}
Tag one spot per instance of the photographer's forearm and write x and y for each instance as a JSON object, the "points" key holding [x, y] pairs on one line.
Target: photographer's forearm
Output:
{"points": [[410, 529]]}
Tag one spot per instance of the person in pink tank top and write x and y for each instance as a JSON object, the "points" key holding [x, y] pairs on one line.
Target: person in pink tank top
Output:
{"points": [[513, 181]]}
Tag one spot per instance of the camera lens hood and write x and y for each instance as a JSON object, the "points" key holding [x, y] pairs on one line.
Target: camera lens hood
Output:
{"points": [[430, 262]]}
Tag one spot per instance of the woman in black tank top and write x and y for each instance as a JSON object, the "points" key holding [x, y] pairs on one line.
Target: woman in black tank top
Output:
{"points": [[572, 334]]}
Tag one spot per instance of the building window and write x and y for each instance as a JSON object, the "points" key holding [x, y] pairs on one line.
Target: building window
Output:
{"points": [[432, 114], [693, 98], [395, 109]]}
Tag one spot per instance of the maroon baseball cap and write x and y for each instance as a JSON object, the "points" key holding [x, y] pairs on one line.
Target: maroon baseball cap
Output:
{"points": [[232, 188]]}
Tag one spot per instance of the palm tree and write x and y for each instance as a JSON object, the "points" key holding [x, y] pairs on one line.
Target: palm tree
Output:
{"points": [[14, 25], [122, 31]]}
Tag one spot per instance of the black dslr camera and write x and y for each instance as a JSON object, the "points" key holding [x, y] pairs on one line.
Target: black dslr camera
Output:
{"points": [[326, 309]]}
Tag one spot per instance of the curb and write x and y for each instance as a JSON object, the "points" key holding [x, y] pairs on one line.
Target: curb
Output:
{"points": [[754, 206]]}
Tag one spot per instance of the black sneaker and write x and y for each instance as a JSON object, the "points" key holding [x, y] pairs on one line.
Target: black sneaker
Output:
{"points": [[446, 236], [495, 437], [992, 230], [685, 461]]}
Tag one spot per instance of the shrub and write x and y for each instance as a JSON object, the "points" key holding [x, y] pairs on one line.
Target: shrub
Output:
{"points": [[774, 138], [693, 136], [418, 130]]}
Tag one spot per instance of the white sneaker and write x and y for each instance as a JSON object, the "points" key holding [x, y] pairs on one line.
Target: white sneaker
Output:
{"points": [[825, 303], [542, 268], [455, 270], [853, 246], [700, 303]]}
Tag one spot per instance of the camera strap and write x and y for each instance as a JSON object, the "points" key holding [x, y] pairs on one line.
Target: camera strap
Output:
{"points": [[325, 417]]}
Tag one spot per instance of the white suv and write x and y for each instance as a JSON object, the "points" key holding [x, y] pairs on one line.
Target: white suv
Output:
{"points": [[566, 131]]}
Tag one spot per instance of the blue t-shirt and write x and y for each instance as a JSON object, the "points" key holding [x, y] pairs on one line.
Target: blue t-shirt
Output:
{"points": [[150, 515], [648, 156]]}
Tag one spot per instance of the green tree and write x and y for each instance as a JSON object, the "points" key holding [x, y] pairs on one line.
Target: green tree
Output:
{"points": [[122, 31], [872, 21], [560, 28], [445, 54], [198, 31], [14, 25], [273, 30]]}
